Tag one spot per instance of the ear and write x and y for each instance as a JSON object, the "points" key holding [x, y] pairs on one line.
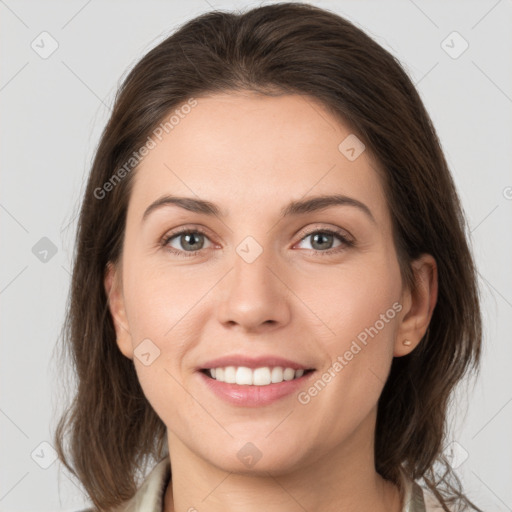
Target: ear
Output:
{"points": [[418, 305], [115, 299]]}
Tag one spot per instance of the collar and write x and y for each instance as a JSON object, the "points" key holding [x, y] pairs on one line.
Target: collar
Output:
{"points": [[413, 499], [150, 495]]}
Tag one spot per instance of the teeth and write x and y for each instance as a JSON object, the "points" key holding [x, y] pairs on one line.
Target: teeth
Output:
{"points": [[230, 374], [258, 377]]}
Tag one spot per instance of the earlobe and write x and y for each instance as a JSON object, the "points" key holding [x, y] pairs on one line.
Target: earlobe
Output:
{"points": [[115, 300], [421, 300]]}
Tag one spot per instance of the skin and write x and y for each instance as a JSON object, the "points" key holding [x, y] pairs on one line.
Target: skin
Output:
{"points": [[251, 154]]}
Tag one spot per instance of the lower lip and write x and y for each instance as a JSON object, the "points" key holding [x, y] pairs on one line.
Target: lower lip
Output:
{"points": [[254, 396]]}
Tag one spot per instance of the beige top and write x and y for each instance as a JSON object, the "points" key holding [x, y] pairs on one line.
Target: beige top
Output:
{"points": [[150, 495]]}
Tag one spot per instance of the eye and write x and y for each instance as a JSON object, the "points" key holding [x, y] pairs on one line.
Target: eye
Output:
{"points": [[322, 240], [189, 242]]}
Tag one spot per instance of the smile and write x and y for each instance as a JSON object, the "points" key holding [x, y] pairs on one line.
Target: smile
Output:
{"points": [[250, 394]]}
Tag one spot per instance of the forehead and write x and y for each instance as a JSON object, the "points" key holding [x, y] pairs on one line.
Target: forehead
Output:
{"points": [[249, 150]]}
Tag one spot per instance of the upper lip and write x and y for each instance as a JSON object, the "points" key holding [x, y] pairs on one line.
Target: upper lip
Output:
{"points": [[253, 362]]}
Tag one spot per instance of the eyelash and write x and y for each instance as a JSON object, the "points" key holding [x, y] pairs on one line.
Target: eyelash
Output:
{"points": [[184, 254]]}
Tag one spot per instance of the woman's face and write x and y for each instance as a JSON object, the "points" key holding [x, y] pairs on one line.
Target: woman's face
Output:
{"points": [[320, 287]]}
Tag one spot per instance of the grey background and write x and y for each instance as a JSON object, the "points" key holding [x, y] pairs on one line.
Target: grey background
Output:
{"points": [[52, 112]]}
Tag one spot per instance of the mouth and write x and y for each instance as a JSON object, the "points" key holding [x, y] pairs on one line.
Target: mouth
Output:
{"points": [[241, 386], [263, 376]]}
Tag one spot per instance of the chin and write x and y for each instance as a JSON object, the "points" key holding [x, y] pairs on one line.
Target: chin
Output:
{"points": [[257, 458]]}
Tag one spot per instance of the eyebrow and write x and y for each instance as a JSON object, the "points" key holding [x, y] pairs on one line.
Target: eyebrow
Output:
{"points": [[298, 207]]}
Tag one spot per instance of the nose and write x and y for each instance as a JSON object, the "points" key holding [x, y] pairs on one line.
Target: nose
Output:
{"points": [[254, 295]]}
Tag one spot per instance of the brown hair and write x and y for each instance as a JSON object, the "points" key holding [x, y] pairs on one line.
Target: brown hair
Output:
{"points": [[281, 48]]}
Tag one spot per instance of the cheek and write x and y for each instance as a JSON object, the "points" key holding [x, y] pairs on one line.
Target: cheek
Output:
{"points": [[350, 299], [162, 322], [165, 316], [158, 299], [361, 308]]}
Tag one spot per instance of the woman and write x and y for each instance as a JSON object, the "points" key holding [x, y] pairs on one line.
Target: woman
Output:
{"points": [[210, 330]]}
